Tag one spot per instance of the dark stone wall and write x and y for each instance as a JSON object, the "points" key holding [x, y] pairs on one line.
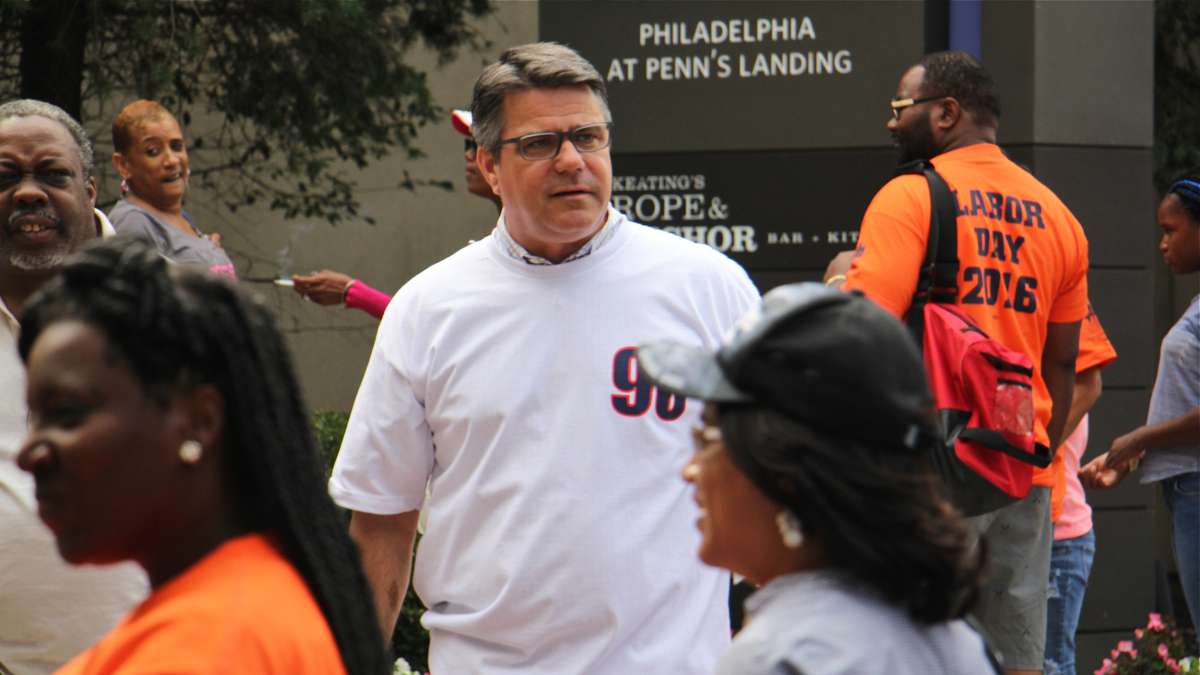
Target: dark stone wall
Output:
{"points": [[1076, 88]]}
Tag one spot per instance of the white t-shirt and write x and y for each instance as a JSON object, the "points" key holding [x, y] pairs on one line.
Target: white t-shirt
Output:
{"points": [[820, 623], [49, 611], [560, 537]]}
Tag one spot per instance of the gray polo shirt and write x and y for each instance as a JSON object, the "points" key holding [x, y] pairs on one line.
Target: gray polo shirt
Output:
{"points": [[176, 246], [823, 623]]}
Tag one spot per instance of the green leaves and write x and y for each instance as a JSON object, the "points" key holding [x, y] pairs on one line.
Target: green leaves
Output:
{"points": [[288, 90], [1176, 89]]}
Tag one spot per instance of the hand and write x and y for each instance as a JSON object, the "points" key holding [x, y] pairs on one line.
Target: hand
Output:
{"points": [[324, 288], [1124, 449], [1097, 473], [215, 238], [839, 265]]}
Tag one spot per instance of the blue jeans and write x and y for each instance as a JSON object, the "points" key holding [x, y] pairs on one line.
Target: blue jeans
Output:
{"points": [[1182, 494], [1070, 565]]}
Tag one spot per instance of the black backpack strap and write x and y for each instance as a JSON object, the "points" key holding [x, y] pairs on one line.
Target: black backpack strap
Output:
{"points": [[925, 276], [938, 278], [943, 216], [993, 440]]}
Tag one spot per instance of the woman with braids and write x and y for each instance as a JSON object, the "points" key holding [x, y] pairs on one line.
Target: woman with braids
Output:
{"points": [[811, 472], [150, 154], [166, 428], [1169, 441]]}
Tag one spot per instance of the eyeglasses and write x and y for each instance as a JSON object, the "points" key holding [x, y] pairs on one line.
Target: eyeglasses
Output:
{"points": [[545, 144], [899, 104], [469, 145]]}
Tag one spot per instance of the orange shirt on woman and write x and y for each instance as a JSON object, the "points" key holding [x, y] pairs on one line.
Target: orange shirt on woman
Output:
{"points": [[241, 609]]}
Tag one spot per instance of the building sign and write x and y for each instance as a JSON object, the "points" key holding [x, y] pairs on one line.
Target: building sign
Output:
{"points": [[754, 207], [757, 128], [722, 75]]}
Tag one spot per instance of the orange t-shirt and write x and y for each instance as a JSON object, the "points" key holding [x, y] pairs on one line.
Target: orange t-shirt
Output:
{"points": [[242, 608], [1095, 351], [1022, 255]]}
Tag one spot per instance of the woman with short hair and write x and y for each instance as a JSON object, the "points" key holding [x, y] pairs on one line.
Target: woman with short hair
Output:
{"points": [[150, 154], [1169, 441]]}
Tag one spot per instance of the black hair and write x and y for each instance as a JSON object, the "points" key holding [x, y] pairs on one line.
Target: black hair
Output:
{"points": [[1187, 188], [958, 75], [876, 509], [178, 328]]}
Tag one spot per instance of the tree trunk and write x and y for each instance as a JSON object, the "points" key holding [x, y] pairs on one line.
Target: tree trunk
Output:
{"points": [[52, 42]]}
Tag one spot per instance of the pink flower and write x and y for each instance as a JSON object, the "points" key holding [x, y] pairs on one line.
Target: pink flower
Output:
{"points": [[1162, 651], [1125, 646], [1138, 633], [1105, 668], [1156, 622], [1173, 665]]}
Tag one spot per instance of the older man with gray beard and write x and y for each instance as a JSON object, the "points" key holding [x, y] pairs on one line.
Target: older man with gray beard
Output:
{"points": [[48, 611]]}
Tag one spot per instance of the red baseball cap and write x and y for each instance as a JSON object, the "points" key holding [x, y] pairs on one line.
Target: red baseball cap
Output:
{"points": [[461, 119]]}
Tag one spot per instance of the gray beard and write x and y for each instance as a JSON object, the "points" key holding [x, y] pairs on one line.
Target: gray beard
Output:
{"points": [[38, 263]]}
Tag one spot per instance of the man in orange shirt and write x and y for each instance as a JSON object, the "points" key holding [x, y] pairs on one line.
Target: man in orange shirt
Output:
{"points": [[1022, 279]]}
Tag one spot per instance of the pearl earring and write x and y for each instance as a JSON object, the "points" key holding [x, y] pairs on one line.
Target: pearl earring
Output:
{"points": [[789, 529], [190, 451]]}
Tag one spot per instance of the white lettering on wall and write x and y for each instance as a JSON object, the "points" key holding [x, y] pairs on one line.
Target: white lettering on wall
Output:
{"points": [[709, 61]]}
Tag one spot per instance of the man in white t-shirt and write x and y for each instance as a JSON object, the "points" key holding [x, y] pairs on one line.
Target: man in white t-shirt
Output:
{"points": [[559, 539], [49, 611]]}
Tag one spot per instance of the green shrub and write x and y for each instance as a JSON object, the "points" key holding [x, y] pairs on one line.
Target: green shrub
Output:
{"points": [[410, 640], [329, 427]]}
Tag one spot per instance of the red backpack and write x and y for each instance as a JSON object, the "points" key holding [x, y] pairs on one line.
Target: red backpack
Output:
{"points": [[982, 389]]}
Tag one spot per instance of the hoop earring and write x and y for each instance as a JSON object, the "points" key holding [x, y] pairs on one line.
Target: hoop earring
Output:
{"points": [[789, 529], [190, 451]]}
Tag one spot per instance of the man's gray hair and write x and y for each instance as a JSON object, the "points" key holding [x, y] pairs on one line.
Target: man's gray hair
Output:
{"points": [[535, 65], [28, 107]]}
